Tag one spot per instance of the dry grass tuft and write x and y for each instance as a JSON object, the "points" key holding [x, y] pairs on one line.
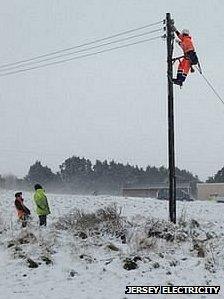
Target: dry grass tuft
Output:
{"points": [[106, 220]]}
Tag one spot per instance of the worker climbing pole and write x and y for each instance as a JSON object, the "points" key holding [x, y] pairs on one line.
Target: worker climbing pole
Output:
{"points": [[189, 58], [187, 61]]}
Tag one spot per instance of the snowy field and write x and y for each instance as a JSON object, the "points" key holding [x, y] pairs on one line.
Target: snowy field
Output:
{"points": [[80, 256]]}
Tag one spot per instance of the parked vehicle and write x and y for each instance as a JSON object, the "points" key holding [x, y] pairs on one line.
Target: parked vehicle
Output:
{"points": [[180, 196], [220, 199]]}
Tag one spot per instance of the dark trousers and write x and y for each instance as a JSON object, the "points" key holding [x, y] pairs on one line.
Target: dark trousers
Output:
{"points": [[193, 57], [43, 220], [24, 220]]}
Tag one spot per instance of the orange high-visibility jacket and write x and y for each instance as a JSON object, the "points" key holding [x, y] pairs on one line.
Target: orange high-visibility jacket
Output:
{"points": [[186, 43]]}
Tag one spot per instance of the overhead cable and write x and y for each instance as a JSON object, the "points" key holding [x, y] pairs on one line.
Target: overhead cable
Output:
{"points": [[80, 56], [82, 45], [212, 87], [79, 51]]}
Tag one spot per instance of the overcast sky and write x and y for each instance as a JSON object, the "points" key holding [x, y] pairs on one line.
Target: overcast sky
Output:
{"points": [[113, 105]]}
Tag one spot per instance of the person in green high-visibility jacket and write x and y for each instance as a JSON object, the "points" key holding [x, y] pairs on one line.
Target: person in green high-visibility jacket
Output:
{"points": [[42, 207]]}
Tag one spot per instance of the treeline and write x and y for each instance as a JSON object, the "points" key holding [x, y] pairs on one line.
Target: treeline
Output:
{"points": [[217, 178], [79, 175]]}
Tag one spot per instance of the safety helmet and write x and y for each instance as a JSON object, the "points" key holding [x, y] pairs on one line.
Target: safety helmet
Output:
{"points": [[185, 31]]}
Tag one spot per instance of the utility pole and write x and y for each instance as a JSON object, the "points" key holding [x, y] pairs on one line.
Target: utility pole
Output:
{"points": [[172, 178]]}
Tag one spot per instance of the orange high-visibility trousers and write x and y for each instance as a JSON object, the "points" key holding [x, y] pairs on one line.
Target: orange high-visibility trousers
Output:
{"points": [[183, 69]]}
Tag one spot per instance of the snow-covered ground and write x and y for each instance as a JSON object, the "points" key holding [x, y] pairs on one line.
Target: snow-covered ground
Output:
{"points": [[90, 264]]}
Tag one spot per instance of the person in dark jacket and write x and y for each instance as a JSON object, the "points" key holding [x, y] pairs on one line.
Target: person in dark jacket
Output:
{"points": [[42, 207], [22, 211]]}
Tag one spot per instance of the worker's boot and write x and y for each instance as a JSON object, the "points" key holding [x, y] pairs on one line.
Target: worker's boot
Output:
{"points": [[177, 82], [180, 78]]}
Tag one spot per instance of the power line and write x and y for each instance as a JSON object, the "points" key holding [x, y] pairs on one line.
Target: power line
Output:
{"points": [[212, 87], [82, 45], [80, 57], [79, 51]]}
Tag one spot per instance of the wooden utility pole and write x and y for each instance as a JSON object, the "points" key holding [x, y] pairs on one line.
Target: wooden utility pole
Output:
{"points": [[172, 178]]}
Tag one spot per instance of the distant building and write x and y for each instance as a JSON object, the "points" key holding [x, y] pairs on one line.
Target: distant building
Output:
{"points": [[210, 191], [160, 191], [140, 192]]}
